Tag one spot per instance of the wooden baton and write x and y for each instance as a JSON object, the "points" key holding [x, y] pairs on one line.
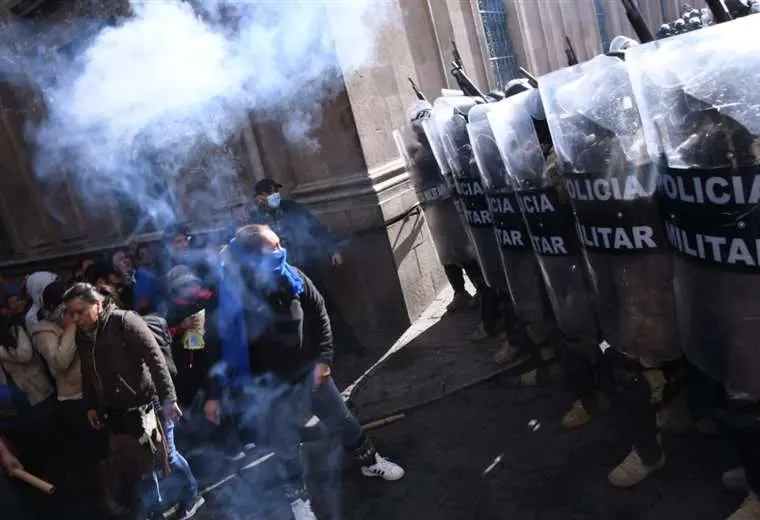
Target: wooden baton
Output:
{"points": [[45, 487], [383, 422]]}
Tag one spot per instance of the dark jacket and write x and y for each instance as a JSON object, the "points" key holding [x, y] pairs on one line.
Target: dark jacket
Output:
{"points": [[193, 366], [307, 240], [122, 365], [276, 331]]}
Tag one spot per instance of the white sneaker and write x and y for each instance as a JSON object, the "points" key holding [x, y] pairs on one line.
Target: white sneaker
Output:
{"points": [[301, 510], [384, 469]]}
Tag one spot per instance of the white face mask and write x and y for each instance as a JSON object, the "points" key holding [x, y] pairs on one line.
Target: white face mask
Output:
{"points": [[273, 200]]}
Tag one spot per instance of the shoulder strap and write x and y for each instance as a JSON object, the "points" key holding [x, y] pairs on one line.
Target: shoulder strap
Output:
{"points": [[122, 316]]}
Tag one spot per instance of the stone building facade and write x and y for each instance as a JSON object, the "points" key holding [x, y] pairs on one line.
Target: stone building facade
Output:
{"points": [[356, 183]]}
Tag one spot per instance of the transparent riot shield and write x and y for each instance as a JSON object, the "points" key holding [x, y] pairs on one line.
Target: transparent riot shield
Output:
{"points": [[433, 135], [526, 286], [612, 183], [700, 110], [433, 193], [450, 117], [547, 211]]}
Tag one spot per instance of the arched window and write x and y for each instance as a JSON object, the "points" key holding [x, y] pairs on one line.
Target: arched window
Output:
{"points": [[501, 54], [601, 18]]}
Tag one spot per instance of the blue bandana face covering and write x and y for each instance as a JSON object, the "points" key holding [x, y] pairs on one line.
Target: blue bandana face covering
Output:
{"points": [[273, 262], [278, 260], [273, 200]]}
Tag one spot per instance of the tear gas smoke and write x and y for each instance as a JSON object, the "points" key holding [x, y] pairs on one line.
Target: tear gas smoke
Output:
{"points": [[147, 98]]}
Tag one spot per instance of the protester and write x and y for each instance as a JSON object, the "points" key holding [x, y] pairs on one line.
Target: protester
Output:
{"points": [[37, 407], [82, 265], [16, 304], [85, 449], [34, 285], [124, 378], [276, 335], [192, 318], [145, 256], [309, 243], [102, 274], [142, 286], [178, 242]]}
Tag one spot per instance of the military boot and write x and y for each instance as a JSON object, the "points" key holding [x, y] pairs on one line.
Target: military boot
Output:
{"points": [[632, 471], [578, 415], [548, 371], [459, 301], [506, 354]]}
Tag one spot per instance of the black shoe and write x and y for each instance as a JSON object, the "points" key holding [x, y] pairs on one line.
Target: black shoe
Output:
{"points": [[187, 511]]}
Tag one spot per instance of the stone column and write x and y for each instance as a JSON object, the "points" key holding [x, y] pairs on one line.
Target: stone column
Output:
{"points": [[651, 11], [542, 29], [356, 182]]}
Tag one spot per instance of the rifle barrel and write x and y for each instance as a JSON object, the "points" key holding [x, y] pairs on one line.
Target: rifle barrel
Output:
{"points": [[640, 26], [719, 10], [457, 56], [572, 58], [466, 85], [417, 90], [530, 77]]}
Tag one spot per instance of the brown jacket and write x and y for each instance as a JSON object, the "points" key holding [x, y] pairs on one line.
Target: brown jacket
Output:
{"points": [[122, 365], [59, 348]]}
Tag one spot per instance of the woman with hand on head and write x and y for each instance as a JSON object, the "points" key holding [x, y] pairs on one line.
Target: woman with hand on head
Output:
{"points": [[85, 449], [124, 374]]}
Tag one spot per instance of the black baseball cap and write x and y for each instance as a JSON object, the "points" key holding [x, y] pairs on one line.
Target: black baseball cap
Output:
{"points": [[266, 186]]}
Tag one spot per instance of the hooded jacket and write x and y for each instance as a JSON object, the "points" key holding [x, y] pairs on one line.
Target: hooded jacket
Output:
{"points": [[122, 365], [59, 348], [26, 369], [35, 286]]}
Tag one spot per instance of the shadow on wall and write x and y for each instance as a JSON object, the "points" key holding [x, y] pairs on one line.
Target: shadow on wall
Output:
{"points": [[369, 289]]}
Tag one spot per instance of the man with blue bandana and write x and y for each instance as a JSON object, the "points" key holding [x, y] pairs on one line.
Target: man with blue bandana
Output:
{"points": [[276, 346], [309, 244]]}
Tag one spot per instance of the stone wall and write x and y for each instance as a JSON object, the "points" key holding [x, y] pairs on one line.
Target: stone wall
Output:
{"points": [[354, 182]]}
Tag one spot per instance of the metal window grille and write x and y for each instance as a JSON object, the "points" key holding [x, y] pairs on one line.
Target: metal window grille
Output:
{"points": [[501, 54], [601, 18]]}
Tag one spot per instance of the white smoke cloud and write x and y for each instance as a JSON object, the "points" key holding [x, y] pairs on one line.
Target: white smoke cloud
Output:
{"points": [[144, 98]]}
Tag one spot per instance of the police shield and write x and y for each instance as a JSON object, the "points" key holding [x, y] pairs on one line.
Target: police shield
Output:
{"points": [[526, 287], [700, 110], [450, 116], [433, 193], [612, 183], [547, 212]]}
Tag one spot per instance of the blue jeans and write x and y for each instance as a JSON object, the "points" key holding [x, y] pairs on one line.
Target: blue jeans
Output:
{"points": [[187, 489], [179, 486], [329, 406], [283, 410]]}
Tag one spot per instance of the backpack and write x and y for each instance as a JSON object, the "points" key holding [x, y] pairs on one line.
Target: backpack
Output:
{"points": [[160, 330]]}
